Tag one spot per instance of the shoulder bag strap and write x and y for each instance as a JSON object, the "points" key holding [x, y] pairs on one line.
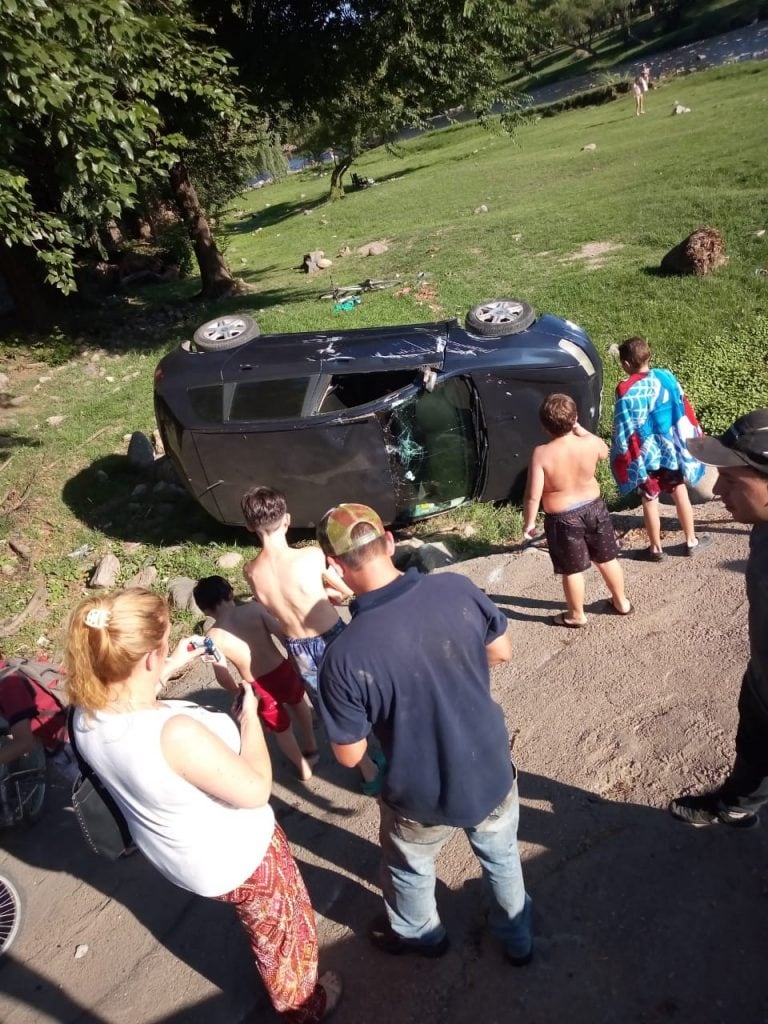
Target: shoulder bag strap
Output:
{"points": [[88, 773]]}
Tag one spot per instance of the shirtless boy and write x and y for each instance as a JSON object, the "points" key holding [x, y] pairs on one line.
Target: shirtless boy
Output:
{"points": [[296, 587], [243, 633], [576, 522]]}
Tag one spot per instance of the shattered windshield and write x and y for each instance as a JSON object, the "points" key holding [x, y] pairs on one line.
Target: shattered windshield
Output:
{"points": [[433, 443]]}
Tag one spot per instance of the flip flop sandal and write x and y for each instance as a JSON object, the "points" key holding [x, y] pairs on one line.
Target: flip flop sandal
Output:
{"points": [[609, 608], [560, 620], [651, 556]]}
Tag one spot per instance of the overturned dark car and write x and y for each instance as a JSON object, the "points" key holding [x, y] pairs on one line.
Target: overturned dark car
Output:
{"points": [[411, 420]]}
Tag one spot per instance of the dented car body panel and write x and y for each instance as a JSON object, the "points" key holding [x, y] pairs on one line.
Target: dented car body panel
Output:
{"points": [[412, 420]]}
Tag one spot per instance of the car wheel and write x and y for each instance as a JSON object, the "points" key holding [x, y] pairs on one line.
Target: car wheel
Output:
{"points": [[225, 332], [498, 317]]}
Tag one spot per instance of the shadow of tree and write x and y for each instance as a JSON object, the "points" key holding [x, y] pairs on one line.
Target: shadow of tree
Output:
{"points": [[271, 215], [10, 439], [111, 506]]}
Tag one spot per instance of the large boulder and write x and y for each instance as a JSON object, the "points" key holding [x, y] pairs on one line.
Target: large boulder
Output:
{"points": [[140, 450], [180, 594], [313, 261], [700, 253]]}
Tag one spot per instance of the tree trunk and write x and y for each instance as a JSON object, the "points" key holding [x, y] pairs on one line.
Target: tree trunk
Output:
{"points": [[339, 170], [215, 278], [35, 301]]}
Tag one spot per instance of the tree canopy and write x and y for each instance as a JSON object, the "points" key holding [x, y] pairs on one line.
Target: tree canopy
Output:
{"points": [[96, 96], [347, 74]]}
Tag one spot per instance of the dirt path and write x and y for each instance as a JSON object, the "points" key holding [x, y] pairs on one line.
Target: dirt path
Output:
{"points": [[638, 919]]}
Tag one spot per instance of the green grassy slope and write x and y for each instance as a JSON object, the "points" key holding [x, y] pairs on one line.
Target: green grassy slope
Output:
{"points": [[650, 182]]}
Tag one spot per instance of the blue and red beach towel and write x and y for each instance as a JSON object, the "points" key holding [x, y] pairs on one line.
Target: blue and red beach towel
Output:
{"points": [[652, 421]]}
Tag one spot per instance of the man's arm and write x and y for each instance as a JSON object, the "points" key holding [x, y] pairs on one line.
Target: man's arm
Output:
{"points": [[534, 489], [499, 650], [350, 754]]}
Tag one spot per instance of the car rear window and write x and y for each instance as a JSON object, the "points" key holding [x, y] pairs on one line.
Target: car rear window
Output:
{"points": [[268, 399]]}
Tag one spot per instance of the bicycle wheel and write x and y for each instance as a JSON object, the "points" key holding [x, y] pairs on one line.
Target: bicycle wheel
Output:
{"points": [[10, 913], [343, 291], [373, 284]]}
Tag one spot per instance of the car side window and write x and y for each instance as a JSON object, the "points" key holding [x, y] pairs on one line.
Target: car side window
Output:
{"points": [[348, 390], [268, 399]]}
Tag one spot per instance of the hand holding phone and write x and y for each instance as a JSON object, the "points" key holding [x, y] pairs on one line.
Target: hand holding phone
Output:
{"points": [[244, 700]]}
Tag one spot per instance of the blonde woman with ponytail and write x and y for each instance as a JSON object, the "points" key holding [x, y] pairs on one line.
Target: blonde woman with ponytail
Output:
{"points": [[194, 791]]}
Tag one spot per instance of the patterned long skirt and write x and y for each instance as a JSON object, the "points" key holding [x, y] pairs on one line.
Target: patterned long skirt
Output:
{"points": [[273, 907]]}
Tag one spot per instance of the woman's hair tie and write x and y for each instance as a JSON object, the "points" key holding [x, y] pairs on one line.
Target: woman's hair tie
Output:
{"points": [[97, 618]]}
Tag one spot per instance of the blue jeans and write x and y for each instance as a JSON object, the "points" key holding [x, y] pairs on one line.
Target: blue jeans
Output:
{"points": [[409, 852]]}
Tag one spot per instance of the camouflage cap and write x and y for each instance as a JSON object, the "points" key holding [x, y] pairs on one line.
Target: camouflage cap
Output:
{"points": [[335, 529]]}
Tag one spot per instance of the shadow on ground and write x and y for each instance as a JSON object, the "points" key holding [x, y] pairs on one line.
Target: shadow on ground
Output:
{"points": [[637, 919], [103, 496]]}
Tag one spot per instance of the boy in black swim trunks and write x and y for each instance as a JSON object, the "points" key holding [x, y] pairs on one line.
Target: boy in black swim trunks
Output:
{"points": [[576, 522]]}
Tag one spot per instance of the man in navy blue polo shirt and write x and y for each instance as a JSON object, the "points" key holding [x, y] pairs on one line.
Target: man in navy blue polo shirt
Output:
{"points": [[413, 667]]}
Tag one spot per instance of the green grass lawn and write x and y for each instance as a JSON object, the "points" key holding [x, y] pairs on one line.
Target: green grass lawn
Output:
{"points": [[650, 182]]}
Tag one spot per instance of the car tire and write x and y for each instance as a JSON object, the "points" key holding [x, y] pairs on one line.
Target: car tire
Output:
{"points": [[225, 332], [499, 317]]}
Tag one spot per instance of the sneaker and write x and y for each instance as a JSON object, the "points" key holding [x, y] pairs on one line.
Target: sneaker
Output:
{"points": [[706, 810], [383, 937]]}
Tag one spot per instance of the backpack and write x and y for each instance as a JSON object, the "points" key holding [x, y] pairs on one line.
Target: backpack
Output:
{"points": [[39, 673], [100, 819]]}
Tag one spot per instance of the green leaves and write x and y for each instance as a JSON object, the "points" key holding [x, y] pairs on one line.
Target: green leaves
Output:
{"points": [[93, 96]]}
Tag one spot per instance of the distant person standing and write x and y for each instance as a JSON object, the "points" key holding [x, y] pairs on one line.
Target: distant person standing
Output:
{"points": [[577, 524], [652, 421], [639, 89], [741, 456], [640, 86]]}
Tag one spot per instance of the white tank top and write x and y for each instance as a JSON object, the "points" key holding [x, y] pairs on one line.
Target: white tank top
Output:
{"points": [[195, 840]]}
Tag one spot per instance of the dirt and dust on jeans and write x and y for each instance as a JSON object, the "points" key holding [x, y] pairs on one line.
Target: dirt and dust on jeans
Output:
{"points": [[638, 918]]}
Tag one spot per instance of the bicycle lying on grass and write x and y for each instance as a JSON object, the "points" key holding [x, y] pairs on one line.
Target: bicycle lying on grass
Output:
{"points": [[339, 292]]}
